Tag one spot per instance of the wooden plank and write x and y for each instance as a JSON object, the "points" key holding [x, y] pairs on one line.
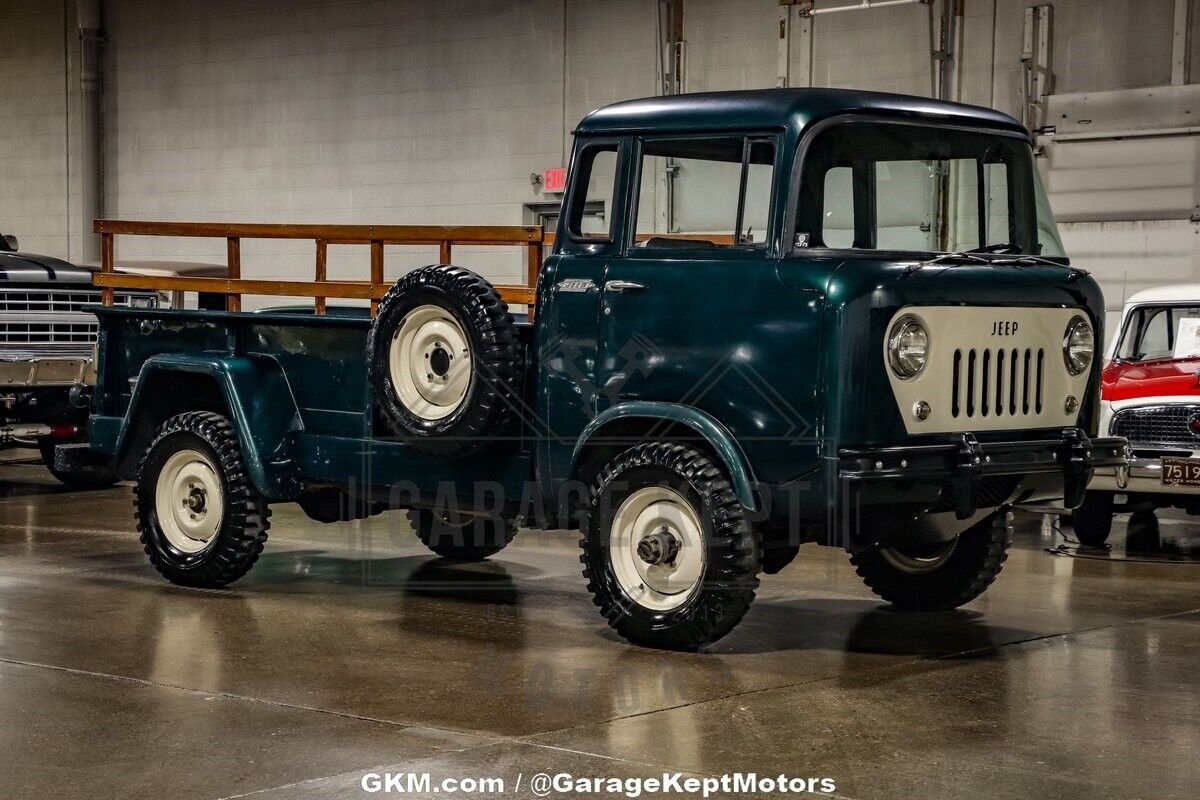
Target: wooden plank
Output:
{"points": [[233, 257], [533, 262], [322, 256], [525, 295], [715, 238], [340, 234], [106, 265], [376, 272], [376, 236], [351, 290], [359, 290]]}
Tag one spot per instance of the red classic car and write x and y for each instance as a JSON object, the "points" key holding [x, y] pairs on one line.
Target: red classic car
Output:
{"points": [[1150, 394]]}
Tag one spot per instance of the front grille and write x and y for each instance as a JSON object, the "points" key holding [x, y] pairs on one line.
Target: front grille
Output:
{"points": [[47, 300], [51, 320], [48, 332], [1157, 425], [997, 382]]}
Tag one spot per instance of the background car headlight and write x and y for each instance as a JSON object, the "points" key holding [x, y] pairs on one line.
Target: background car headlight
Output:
{"points": [[142, 301], [908, 347], [1079, 345]]}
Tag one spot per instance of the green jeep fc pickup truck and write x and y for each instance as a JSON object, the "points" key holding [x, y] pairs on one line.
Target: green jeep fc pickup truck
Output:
{"points": [[805, 315]]}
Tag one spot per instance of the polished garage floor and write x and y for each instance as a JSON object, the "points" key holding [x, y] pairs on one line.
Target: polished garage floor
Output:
{"points": [[349, 649]]}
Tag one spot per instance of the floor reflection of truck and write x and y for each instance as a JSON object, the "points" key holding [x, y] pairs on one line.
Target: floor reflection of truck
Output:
{"points": [[867, 336]]}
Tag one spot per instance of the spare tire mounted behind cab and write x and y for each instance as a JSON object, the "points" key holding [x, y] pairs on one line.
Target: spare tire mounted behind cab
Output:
{"points": [[442, 356]]}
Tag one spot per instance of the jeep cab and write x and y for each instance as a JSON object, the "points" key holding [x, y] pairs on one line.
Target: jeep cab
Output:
{"points": [[810, 315]]}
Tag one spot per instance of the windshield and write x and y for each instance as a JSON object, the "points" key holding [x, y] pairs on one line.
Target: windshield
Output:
{"points": [[1154, 332], [887, 186]]}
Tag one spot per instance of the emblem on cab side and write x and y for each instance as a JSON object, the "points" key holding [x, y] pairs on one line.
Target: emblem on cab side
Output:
{"points": [[576, 285]]}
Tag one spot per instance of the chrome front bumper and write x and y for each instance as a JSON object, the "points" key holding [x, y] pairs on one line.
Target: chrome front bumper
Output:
{"points": [[38, 372]]}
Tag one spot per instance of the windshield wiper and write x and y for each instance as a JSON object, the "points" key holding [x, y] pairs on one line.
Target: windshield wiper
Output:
{"points": [[1003, 247], [1028, 259], [948, 258], [1019, 257], [975, 257]]}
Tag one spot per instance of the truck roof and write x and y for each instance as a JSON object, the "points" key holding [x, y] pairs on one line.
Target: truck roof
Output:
{"points": [[778, 108]]}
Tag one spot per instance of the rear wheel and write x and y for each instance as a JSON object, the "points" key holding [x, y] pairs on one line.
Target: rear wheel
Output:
{"points": [[1093, 519], [938, 576], [668, 553], [471, 538], [201, 520]]}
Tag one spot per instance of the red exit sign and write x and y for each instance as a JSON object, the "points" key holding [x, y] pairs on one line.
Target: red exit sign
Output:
{"points": [[555, 179]]}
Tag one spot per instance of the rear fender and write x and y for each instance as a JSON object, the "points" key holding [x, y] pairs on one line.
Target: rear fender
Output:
{"points": [[259, 402]]}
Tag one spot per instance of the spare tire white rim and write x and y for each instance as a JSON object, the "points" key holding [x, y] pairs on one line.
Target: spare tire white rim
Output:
{"points": [[429, 361], [669, 567], [189, 501]]}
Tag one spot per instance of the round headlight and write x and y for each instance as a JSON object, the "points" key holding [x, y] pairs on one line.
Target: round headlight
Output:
{"points": [[1079, 345], [908, 347]]}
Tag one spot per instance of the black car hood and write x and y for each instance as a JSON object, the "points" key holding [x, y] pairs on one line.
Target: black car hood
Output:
{"points": [[31, 268]]}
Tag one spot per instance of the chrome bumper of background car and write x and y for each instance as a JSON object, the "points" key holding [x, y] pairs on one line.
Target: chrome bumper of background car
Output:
{"points": [[35, 372], [1142, 476]]}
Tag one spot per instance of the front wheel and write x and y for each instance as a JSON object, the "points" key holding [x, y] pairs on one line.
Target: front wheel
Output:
{"points": [[202, 522], [1093, 519], [668, 553], [938, 576]]}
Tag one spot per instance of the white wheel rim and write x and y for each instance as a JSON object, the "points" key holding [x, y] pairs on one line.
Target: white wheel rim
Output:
{"points": [[916, 565], [647, 512], [189, 501], [430, 362]]}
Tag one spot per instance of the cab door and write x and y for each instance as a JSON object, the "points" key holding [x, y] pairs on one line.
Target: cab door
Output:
{"points": [[569, 290], [694, 312]]}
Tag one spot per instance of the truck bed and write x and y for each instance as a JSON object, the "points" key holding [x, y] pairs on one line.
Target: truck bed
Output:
{"points": [[298, 380]]}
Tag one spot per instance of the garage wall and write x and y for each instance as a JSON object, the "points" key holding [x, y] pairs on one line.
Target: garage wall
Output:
{"points": [[33, 126], [411, 111]]}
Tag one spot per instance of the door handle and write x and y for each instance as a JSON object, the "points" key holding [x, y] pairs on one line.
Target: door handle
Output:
{"points": [[623, 286]]}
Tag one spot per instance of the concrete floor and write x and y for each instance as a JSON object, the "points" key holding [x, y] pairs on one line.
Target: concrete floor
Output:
{"points": [[349, 649]]}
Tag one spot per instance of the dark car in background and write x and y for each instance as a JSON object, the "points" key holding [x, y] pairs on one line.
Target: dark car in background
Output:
{"points": [[47, 355]]}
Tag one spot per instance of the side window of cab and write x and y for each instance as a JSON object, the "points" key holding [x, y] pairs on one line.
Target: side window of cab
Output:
{"points": [[703, 193], [594, 199]]}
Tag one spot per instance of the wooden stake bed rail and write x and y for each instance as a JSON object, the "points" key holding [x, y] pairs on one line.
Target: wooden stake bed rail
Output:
{"points": [[320, 288]]}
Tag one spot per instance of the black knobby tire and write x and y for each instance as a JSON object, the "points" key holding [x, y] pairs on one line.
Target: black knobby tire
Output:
{"points": [[1093, 520], [732, 557], [245, 516], [486, 410], [89, 476], [976, 559], [472, 540]]}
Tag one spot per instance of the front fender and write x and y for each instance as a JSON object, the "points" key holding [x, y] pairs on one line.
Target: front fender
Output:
{"points": [[722, 441], [261, 406]]}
